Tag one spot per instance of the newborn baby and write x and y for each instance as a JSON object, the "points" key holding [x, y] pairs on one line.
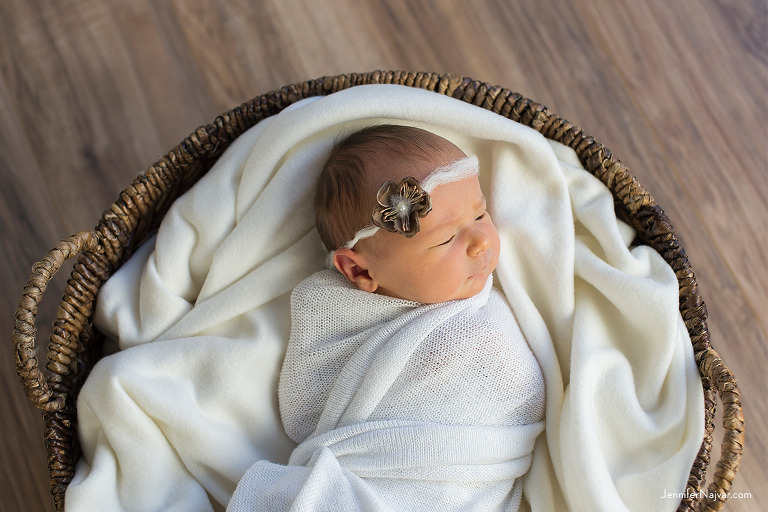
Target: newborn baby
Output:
{"points": [[407, 382]]}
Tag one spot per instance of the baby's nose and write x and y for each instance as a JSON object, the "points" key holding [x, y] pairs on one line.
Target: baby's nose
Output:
{"points": [[479, 243]]}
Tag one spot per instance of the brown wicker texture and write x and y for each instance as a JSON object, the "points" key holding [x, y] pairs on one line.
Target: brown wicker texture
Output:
{"points": [[75, 346]]}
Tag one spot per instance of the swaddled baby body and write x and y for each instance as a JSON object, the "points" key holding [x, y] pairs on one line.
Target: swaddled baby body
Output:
{"points": [[407, 382]]}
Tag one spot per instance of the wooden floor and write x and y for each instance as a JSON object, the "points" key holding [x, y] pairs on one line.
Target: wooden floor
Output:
{"points": [[93, 91]]}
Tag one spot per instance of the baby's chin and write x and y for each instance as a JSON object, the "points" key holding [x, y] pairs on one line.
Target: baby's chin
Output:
{"points": [[477, 283], [473, 285]]}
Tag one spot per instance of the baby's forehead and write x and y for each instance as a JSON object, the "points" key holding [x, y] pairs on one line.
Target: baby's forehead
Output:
{"points": [[452, 204], [456, 194]]}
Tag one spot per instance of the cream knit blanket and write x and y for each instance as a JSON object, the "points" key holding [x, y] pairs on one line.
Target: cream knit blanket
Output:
{"points": [[174, 420]]}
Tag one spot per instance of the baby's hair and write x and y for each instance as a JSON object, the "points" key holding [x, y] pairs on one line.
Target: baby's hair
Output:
{"points": [[355, 169]]}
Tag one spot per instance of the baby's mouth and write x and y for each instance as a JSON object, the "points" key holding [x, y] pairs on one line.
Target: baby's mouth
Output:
{"points": [[482, 269]]}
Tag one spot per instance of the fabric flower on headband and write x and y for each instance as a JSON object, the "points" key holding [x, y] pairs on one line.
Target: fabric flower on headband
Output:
{"points": [[400, 206]]}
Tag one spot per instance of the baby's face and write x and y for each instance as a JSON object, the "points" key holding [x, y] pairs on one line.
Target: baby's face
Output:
{"points": [[451, 256]]}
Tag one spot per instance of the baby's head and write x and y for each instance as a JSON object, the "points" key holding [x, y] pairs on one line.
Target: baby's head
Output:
{"points": [[456, 247]]}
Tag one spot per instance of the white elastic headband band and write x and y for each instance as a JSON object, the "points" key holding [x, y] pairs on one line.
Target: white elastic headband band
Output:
{"points": [[454, 171]]}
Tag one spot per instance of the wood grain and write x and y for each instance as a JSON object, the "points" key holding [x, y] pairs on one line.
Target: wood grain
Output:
{"points": [[93, 91]]}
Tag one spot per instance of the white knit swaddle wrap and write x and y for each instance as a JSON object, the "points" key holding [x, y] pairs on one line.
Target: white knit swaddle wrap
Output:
{"points": [[410, 405]]}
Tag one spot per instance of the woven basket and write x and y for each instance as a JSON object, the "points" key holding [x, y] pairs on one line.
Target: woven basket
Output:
{"points": [[75, 346]]}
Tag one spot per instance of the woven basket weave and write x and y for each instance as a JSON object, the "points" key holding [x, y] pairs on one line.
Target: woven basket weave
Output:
{"points": [[75, 346]]}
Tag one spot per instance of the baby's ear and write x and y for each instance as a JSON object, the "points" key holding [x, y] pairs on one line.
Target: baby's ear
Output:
{"points": [[352, 265]]}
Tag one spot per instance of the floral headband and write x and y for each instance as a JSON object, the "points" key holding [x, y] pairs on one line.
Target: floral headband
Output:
{"points": [[402, 204]]}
